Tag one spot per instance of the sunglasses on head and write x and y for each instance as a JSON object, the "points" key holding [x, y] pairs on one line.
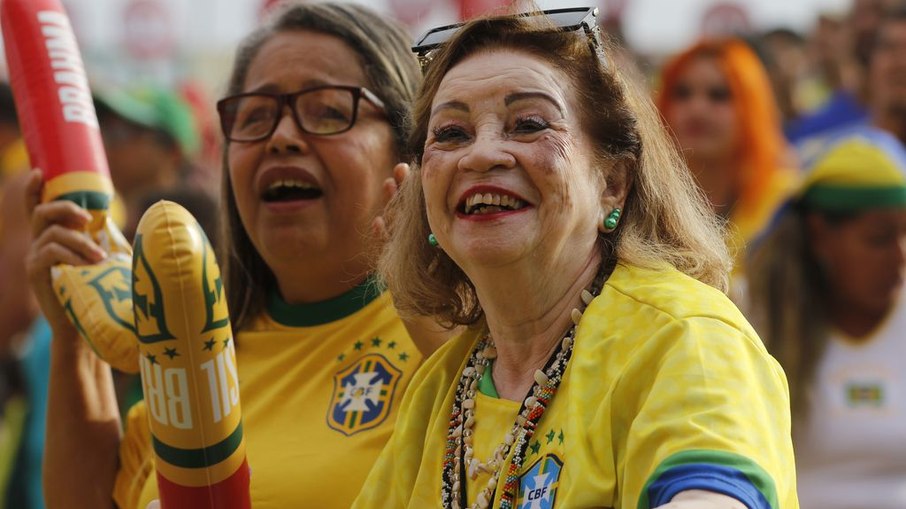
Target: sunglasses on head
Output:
{"points": [[563, 20]]}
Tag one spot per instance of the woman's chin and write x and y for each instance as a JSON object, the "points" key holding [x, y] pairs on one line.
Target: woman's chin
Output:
{"points": [[489, 253], [291, 243]]}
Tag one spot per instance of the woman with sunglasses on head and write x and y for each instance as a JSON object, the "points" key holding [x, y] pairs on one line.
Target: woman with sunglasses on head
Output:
{"points": [[603, 366], [717, 99], [315, 122]]}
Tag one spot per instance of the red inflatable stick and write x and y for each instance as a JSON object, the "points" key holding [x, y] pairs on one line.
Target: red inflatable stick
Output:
{"points": [[54, 103], [61, 132]]}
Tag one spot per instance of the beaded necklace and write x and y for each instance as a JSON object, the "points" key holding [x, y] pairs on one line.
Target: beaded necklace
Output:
{"points": [[459, 460]]}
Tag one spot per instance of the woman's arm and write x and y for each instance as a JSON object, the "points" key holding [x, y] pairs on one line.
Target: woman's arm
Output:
{"points": [[698, 499], [83, 421]]}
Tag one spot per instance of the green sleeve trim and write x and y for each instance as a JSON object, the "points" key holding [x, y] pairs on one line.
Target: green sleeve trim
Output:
{"points": [[760, 479], [845, 199]]}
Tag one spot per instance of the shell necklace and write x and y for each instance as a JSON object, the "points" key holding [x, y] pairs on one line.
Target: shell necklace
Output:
{"points": [[459, 458]]}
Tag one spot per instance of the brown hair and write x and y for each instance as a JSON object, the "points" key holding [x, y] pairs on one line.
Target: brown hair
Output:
{"points": [[787, 302], [665, 218], [392, 73]]}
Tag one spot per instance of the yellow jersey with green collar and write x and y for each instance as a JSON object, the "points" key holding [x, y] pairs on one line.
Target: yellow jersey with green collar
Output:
{"points": [[668, 389], [320, 386]]}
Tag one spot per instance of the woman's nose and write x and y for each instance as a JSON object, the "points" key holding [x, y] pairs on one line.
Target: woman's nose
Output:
{"points": [[900, 254], [287, 136], [487, 153]]}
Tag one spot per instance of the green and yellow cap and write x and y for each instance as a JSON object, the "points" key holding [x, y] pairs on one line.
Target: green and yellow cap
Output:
{"points": [[865, 169], [154, 107]]}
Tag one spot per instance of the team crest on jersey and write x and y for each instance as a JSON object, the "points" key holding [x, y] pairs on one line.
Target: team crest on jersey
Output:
{"points": [[538, 485], [362, 394]]}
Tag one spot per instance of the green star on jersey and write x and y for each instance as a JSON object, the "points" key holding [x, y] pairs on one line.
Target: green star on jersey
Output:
{"points": [[375, 343]]}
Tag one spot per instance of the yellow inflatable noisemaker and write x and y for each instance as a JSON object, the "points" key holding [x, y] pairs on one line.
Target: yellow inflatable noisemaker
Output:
{"points": [[188, 364]]}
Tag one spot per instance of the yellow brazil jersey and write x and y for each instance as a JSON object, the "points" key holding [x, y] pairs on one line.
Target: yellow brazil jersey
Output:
{"points": [[320, 386], [668, 389]]}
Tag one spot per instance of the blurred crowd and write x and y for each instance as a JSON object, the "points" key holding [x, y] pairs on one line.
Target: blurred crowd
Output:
{"points": [[772, 125]]}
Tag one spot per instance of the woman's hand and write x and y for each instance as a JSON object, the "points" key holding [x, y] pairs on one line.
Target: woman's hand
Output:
{"points": [[390, 187], [425, 332], [57, 237]]}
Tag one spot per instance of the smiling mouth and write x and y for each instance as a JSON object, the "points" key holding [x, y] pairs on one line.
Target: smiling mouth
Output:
{"points": [[490, 203], [291, 190]]}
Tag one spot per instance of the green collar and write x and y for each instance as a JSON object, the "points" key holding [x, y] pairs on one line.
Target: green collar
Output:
{"points": [[319, 313], [486, 382]]}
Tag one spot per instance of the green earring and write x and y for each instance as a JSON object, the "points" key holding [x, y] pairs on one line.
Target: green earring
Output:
{"points": [[432, 240], [612, 219]]}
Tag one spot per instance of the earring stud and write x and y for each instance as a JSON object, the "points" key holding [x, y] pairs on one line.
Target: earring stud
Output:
{"points": [[612, 219]]}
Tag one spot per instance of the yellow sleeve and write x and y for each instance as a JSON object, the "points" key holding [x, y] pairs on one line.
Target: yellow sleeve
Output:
{"points": [[701, 405], [136, 459]]}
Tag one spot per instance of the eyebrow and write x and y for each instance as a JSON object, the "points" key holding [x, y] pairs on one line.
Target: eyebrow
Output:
{"points": [[521, 96], [450, 105], [508, 100], [273, 88]]}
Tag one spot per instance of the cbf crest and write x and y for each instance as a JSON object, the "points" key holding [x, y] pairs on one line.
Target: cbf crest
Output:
{"points": [[362, 394], [538, 485]]}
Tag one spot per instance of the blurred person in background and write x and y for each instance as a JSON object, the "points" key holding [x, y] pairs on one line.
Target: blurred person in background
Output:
{"points": [[16, 312], [22, 364], [150, 139], [887, 74], [717, 99], [208, 158], [843, 48], [829, 304], [784, 54], [316, 117]]}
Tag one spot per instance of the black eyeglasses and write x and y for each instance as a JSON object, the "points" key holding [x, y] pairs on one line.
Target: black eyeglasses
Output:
{"points": [[322, 111], [564, 20]]}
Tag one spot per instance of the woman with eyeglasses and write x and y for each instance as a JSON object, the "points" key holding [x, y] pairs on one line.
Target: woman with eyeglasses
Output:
{"points": [[315, 119], [717, 99], [603, 365]]}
